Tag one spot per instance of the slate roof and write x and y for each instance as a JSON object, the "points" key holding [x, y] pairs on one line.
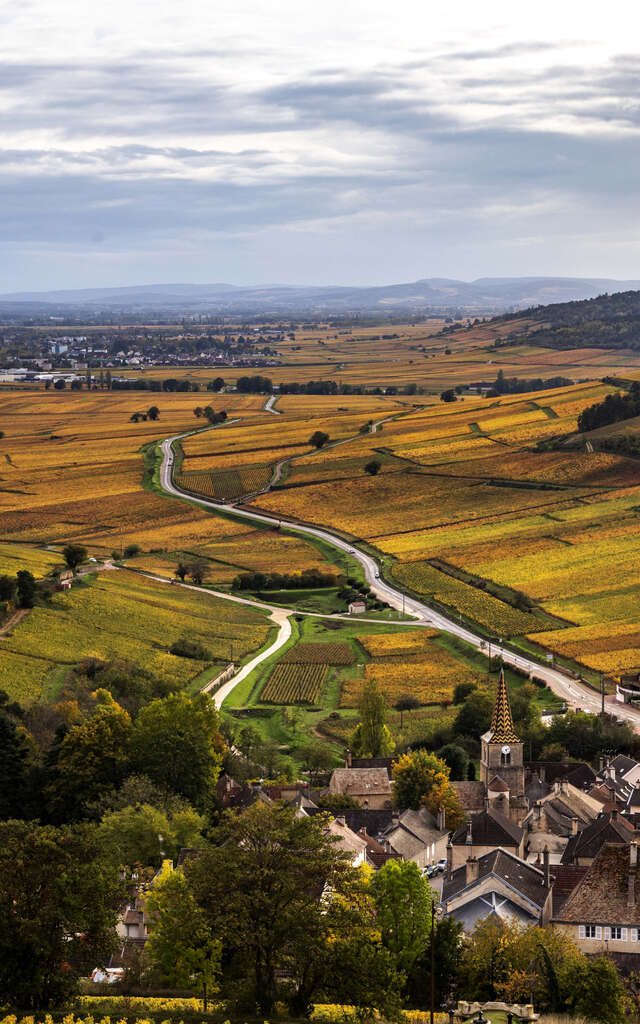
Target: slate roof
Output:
{"points": [[520, 875], [622, 764], [489, 828], [565, 879], [535, 789], [502, 729], [375, 822], [470, 795], [412, 832], [603, 894], [607, 828], [578, 773], [373, 762], [361, 782]]}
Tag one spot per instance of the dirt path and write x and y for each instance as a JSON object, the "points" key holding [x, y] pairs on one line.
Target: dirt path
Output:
{"points": [[13, 620]]}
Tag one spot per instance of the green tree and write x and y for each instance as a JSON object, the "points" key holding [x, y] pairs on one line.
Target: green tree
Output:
{"points": [[198, 570], [259, 886], [181, 949], [405, 703], [595, 991], [474, 717], [7, 589], [371, 737], [402, 900], [177, 742], [457, 759], [420, 779], [318, 439], [447, 949], [145, 835], [59, 901], [373, 467], [14, 769], [91, 757], [74, 555], [153, 412], [25, 589]]}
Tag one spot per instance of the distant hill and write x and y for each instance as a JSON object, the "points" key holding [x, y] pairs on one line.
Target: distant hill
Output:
{"points": [[439, 295], [608, 321]]}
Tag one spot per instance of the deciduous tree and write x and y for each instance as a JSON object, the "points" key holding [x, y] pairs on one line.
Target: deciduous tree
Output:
{"points": [[420, 779]]}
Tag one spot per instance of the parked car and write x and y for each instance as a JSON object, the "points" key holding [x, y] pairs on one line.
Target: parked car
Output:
{"points": [[441, 865]]}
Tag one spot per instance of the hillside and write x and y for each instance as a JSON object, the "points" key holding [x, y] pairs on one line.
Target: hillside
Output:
{"points": [[609, 321]]}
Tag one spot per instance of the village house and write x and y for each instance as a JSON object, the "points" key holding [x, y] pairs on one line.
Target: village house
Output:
{"points": [[497, 883], [556, 817], [585, 845], [602, 913], [483, 833], [370, 787], [417, 836]]}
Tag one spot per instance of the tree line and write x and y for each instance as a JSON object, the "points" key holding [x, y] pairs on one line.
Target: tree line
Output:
{"points": [[612, 409]]}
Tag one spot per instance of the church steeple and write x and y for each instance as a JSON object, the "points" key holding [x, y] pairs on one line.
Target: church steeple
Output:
{"points": [[502, 729]]}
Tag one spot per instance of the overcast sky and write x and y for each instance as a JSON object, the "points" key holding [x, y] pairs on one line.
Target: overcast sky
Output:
{"points": [[326, 142]]}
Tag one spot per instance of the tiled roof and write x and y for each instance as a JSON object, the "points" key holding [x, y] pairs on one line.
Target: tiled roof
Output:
{"points": [[470, 795], [374, 821], [578, 773], [603, 895], [372, 762], [565, 879], [498, 785], [489, 828], [607, 828], [502, 728], [361, 781], [523, 877]]}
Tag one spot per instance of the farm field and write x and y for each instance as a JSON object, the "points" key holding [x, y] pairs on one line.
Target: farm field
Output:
{"points": [[123, 616]]}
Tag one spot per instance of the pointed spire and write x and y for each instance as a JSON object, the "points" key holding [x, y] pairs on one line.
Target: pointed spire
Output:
{"points": [[502, 729]]}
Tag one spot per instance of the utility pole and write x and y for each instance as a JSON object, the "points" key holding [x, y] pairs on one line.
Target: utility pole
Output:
{"points": [[602, 692], [433, 961]]}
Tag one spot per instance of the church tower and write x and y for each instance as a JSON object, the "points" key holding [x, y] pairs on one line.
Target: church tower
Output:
{"points": [[502, 749]]}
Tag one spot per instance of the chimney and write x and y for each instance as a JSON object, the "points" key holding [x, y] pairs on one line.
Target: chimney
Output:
{"points": [[469, 839], [472, 870], [349, 758], [449, 860], [542, 773], [601, 763], [565, 757], [341, 820], [614, 814], [611, 772], [545, 862], [538, 807], [574, 826], [486, 803], [556, 787], [633, 854], [395, 817], [442, 817], [564, 786]]}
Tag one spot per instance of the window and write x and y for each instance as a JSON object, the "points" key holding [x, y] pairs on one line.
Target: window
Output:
{"points": [[589, 931], [615, 932], [505, 759]]}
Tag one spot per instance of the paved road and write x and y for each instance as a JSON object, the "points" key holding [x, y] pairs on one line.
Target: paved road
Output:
{"points": [[269, 404], [575, 694]]}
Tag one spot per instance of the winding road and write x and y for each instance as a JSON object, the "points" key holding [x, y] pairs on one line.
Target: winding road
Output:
{"points": [[574, 693]]}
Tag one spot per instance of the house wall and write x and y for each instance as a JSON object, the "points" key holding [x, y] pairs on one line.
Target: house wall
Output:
{"points": [[601, 945], [462, 852], [493, 884]]}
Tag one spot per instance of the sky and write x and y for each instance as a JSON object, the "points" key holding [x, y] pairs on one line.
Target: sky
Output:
{"points": [[340, 142]]}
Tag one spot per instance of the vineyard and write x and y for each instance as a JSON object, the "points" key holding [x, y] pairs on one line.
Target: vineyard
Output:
{"points": [[293, 682], [225, 484], [320, 654]]}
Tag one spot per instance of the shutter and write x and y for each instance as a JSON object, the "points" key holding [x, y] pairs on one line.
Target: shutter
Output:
{"points": [[634, 935], [624, 934], [581, 932], [598, 932], [607, 933]]}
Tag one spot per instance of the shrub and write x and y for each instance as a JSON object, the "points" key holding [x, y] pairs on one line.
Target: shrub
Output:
{"points": [[185, 648]]}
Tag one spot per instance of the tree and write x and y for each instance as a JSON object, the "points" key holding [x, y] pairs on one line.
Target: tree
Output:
{"points": [[177, 742], [457, 760], [420, 779], [462, 691], [89, 758], [131, 550], [198, 570], [76, 384], [402, 900], [260, 887], [7, 589], [474, 717], [74, 555], [448, 945], [373, 467], [181, 948], [448, 396], [59, 900], [371, 737], [318, 439], [198, 412], [153, 412], [595, 990], [25, 588], [182, 571], [143, 834], [60, 384], [14, 769]]}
